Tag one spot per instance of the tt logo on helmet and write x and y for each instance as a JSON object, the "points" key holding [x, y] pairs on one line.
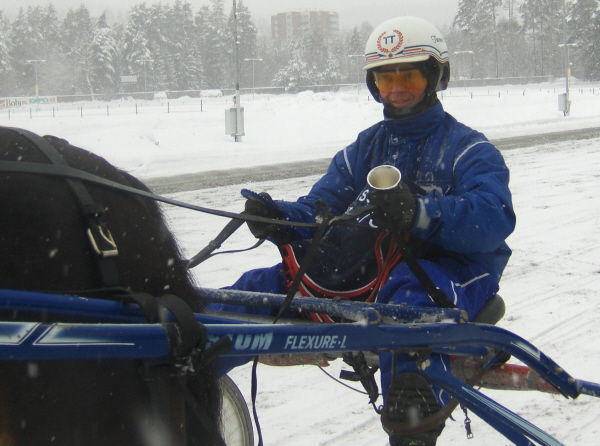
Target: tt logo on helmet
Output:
{"points": [[436, 39], [389, 40]]}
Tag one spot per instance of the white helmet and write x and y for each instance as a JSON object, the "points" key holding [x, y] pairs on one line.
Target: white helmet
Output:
{"points": [[404, 39], [408, 40]]}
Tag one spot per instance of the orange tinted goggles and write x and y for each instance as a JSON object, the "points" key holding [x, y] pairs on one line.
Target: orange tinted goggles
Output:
{"points": [[409, 79]]}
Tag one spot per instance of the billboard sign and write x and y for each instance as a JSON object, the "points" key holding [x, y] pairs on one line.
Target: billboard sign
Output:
{"points": [[22, 102], [128, 79]]}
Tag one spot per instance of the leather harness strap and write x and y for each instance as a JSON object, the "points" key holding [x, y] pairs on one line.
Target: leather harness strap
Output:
{"points": [[101, 241]]}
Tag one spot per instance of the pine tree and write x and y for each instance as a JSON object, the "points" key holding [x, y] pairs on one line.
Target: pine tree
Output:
{"points": [[316, 56], [5, 50], [468, 28], [476, 21], [216, 44], [135, 46], [158, 74], [27, 44], [54, 73], [295, 73], [585, 32], [77, 32], [365, 31], [103, 58], [355, 43], [185, 55], [511, 42], [543, 20], [274, 57]]}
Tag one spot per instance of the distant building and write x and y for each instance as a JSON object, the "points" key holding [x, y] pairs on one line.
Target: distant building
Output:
{"points": [[287, 25]]}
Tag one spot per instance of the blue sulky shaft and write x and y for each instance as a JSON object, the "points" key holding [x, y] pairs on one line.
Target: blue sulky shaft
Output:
{"points": [[34, 341], [23, 340], [38, 341], [354, 311]]}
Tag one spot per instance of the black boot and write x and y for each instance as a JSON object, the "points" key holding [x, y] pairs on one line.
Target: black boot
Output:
{"points": [[409, 400]]}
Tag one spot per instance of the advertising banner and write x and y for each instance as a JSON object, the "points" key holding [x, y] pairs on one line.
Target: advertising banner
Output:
{"points": [[22, 102]]}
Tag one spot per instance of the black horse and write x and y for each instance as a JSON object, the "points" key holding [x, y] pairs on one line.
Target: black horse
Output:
{"points": [[44, 246]]}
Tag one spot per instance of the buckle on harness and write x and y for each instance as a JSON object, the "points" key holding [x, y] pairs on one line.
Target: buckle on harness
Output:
{"points": [[102, 242]]}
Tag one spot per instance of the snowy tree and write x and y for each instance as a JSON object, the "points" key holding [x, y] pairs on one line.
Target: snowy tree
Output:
{"points": [[5, 57], [312, 60], [26, 44], [295, 73], [77, 32], [365, 31], [543, 21], [135, 44], [316, 56], [584, 24], [476, 21], [184, 51], [354, 47], [512, 60], [216, 44], [466, 22], [274, 56], [355, 43], [331, 73], [103, 58]]}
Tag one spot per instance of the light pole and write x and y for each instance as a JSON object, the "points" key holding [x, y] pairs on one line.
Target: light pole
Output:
{"points": [[35, 62], [239, 131], [566, 106], [145, 61], [350, 56], [253, 60]]}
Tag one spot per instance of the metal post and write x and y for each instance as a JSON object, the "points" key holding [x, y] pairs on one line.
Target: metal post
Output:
{"points": [[567, 103], [238, 112], [35, 62], [350, 56], [253, 60], [144, 61]]}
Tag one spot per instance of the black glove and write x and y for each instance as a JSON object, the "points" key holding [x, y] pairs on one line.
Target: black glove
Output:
{"points": [[262, 205], [396, 208]]}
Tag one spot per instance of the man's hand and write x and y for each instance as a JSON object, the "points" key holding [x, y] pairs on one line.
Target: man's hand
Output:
{"points": [[262, 205], [396, 208]]}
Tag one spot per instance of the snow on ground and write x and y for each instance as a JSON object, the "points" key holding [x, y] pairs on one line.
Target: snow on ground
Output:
{"points": [[550, 285]]}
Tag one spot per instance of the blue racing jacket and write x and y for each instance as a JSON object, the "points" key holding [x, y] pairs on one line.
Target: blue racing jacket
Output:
{"points": [[464, 209]]}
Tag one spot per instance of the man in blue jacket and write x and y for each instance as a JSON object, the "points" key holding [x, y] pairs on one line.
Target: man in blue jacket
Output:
{"points": [[453, 202]]}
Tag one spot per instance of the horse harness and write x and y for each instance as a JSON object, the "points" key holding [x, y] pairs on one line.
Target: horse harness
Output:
{"points": [[187, 336], [99, 236]]}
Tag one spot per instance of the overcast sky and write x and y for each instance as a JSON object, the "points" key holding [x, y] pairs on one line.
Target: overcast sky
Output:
{"points": [[351, 12]]}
